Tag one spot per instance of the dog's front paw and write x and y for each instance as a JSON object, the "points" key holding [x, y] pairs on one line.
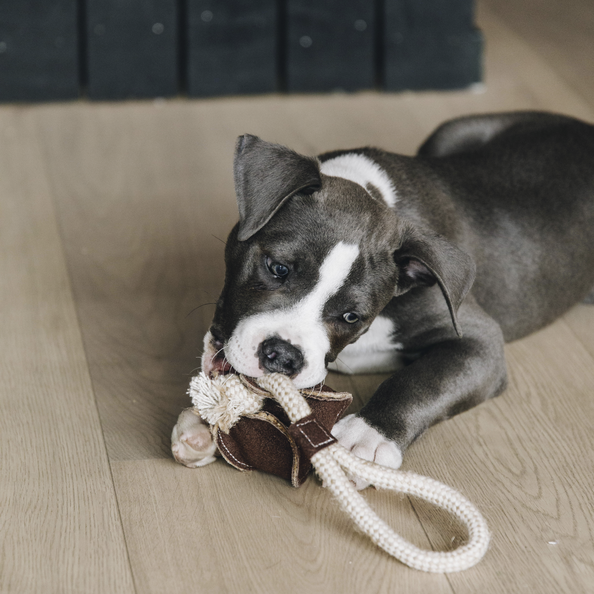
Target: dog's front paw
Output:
{"points": [[191, 440], [354, 434]]}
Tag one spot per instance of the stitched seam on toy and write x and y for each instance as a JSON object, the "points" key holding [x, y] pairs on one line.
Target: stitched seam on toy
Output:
{"points": [[238, 462], [338, 415], [300, 424]]}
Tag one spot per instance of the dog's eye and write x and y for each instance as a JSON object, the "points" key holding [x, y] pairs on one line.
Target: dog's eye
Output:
{"points": [[277, 269], [350, 317]]}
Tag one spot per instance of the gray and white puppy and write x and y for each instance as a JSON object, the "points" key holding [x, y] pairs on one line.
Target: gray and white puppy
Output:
{"points": [[369, 261]]}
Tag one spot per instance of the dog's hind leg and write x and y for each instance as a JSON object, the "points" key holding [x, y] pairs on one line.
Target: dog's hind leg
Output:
{"points": [[471, 132]]}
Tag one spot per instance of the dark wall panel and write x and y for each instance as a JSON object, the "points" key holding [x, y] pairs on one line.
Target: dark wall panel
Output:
{"points": [[430, 44], [330, 45], [232, 47], [38, 50], [131, 48], [120, 49]]}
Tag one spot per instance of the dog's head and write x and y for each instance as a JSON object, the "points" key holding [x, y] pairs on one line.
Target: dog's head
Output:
{"points": [[312, 261]]}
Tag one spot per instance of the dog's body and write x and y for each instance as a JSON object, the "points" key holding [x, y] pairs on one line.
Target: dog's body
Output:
{"points": [[433, 261]]}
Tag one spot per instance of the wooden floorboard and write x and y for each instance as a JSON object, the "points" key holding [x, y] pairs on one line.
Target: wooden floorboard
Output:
{"points": [[60, 529], [113, 220], [529, 452], [560, 32], [236, 532]]}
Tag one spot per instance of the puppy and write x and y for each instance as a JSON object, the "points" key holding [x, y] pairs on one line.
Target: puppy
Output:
{"points": [[367, 261]]}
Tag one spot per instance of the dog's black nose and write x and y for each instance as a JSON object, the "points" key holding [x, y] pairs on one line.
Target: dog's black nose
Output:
{"points": [[279, 356]]}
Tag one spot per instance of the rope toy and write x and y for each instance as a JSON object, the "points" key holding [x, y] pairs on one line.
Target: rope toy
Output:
{"points": [[224, 399]]}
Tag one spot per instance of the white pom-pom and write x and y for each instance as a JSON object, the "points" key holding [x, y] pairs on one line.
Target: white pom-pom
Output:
{"points": [[222, 400], [207, 396]]}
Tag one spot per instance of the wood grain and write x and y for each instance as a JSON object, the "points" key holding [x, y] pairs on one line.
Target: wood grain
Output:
{"points": [[60, 529], [560, 32], [529, 453], [248, 532]]}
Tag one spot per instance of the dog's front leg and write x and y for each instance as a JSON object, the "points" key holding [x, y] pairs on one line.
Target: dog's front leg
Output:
{"points": [[191, 441], [449, 377]]}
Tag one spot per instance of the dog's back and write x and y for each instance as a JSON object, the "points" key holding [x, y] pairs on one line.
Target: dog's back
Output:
{"points": [[523, 186]]}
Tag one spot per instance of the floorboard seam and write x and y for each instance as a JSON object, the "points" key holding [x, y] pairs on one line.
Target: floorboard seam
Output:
{"points": [[57, 222]]}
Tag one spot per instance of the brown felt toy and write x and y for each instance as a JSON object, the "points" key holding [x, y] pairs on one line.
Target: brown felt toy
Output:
{"points": [[261, 440]]}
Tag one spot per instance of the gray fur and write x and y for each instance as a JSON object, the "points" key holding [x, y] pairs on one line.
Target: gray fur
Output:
{"points": [[504, 200]]}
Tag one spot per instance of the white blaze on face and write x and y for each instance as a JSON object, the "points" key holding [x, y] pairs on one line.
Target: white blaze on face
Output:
{"points": [[300, 324]]}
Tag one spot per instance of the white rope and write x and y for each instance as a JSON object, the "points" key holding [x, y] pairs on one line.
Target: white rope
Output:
{"points": [[223, 400], [331, 463]]}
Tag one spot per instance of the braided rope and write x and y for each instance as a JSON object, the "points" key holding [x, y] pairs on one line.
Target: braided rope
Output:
{"points": [[332, 462], [222, 401]]}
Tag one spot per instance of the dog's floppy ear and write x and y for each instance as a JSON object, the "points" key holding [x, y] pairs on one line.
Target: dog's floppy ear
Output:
{"points": [[425, 258], [266, 175]]}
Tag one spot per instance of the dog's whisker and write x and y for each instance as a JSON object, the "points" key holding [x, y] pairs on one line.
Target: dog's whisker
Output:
{"points": [[343, 363], [221, 350], [196, 308]]}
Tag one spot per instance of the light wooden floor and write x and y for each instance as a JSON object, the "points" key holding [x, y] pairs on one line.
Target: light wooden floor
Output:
{"points": [[111, 220]]}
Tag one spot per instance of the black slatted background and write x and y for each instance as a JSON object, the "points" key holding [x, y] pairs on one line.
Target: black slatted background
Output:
{"points": [[119, 49]]}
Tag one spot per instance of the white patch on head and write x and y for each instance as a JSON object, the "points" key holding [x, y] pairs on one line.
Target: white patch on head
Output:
{"points": [[361, 170], [301, 324], [374, 352]]}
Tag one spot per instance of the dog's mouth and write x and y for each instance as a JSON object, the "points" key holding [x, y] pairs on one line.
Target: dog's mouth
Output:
{"points": [[214, 361], [220, 365]]}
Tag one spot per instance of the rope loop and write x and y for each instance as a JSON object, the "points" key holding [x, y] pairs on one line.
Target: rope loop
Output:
{"points": [[334, 462]]}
